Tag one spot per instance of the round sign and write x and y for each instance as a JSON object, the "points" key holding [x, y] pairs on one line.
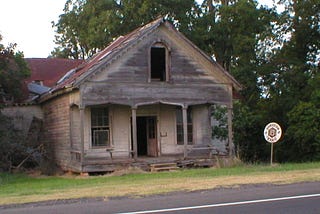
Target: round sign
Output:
{"points": [[272, 132]]}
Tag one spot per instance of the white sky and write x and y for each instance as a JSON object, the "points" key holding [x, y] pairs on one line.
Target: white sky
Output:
{"points": [[28, 23]]}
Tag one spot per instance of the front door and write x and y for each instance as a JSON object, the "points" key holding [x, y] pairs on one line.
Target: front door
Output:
{"points": [[147, 136], [152, 136]]}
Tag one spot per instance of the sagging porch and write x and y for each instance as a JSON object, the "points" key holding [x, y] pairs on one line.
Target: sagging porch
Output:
{"points": [[144, 135], [163, 163]]}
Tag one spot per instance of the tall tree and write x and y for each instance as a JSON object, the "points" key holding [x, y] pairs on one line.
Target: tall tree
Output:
{"points": [[232, 31], [298, 82], [240, 35], [13, 69], [89, 25]]}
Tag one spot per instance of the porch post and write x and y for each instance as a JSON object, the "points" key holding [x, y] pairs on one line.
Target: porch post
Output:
{"points": [[185, 130], [134, 132], [81, 108], [230, 131]]}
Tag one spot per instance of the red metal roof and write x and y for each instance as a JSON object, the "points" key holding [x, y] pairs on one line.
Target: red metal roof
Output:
{"points": [[49, 70]]}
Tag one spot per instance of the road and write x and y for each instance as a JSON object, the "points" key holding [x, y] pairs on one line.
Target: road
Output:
{"points": [[267, 198]]}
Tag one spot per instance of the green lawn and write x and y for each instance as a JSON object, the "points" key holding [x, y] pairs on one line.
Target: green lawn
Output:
{"points": [[21, 188]]}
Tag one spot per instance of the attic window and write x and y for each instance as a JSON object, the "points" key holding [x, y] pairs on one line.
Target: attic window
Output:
{"points": [[158, 62]]}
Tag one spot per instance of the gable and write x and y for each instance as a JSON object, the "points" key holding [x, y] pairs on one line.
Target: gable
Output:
{"points": [[192, 78], [121, 73], [185, 61]]}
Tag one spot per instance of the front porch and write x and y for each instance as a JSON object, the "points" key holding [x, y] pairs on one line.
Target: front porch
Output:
{"points": [[142, 136], [197, 157]]}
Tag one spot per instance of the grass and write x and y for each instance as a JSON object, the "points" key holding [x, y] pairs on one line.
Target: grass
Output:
{"points": [[22, 188]]}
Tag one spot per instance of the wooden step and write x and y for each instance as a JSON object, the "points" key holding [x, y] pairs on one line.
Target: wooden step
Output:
{"points": [[157, 167]]}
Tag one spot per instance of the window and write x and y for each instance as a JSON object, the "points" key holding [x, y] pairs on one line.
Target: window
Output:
{"points": [[179, 121], [158, 63], [100, 130]]}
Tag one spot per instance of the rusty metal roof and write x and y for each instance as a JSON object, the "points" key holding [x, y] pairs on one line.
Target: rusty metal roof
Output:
{"points": [[106, 55]]}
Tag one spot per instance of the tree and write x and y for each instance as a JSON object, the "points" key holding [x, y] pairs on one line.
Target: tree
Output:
{"points": [[13, 69], [236, 33], [89, 25], [303, 134], [296, 76]]}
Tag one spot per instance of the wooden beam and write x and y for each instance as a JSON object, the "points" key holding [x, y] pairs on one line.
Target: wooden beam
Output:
{"points": [[81, 108], [134, 132], [185, 130], [230, 133]]}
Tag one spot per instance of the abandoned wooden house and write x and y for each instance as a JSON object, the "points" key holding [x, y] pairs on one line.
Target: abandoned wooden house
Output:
{"points": [[144, 99]]}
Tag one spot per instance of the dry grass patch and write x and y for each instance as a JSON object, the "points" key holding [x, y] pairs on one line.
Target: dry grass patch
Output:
{"points": [[155, 183]]}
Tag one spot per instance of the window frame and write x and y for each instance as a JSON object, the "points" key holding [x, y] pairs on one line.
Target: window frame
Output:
{"points": [[99, 124], [160, 44], [179, 127]]}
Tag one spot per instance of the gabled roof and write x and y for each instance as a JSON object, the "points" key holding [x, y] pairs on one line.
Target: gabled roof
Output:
{"points": [[107, 55], [116, 48]]}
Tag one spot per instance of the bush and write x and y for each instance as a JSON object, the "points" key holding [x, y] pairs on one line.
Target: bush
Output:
{"points": [[16, 149]]}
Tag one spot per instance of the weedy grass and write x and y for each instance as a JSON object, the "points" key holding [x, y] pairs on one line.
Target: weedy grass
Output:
{"points": [[23, 188]]}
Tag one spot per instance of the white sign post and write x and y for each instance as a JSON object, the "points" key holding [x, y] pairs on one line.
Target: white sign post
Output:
{"points": [[272, 134]]}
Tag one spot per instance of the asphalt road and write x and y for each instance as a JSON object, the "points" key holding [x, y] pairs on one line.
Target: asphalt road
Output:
{"points": [[294, 198]]}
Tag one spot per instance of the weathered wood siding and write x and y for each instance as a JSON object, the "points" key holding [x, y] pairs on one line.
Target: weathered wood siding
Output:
{"points": [[58, 133], [120, 135], [121, 129], [75, 129], [168, 131], [192, 78], [56, 120], [201, 124]]}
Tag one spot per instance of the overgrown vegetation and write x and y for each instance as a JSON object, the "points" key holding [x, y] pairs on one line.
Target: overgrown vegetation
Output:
{"points": [[17, 149], [21, 188], [13, 70]]}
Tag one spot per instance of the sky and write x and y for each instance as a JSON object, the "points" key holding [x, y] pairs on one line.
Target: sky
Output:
{"points": [[28, 23]]}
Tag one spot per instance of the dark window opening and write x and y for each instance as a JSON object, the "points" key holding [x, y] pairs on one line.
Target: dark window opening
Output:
{"points": [[100, 130], [179, 121], [158, 63]]}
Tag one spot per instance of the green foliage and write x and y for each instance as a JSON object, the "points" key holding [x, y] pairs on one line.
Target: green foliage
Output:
{"points": [[13, 69], [303, 133], [219, 114], [10, 144], [88, 26], [18, 150], [248, 134]]}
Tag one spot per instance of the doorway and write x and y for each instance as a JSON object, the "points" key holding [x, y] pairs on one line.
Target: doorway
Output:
{"points": [[147, 136]]}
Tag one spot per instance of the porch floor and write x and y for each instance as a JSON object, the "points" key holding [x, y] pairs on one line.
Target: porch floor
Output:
{"points": [[109, 165]]}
